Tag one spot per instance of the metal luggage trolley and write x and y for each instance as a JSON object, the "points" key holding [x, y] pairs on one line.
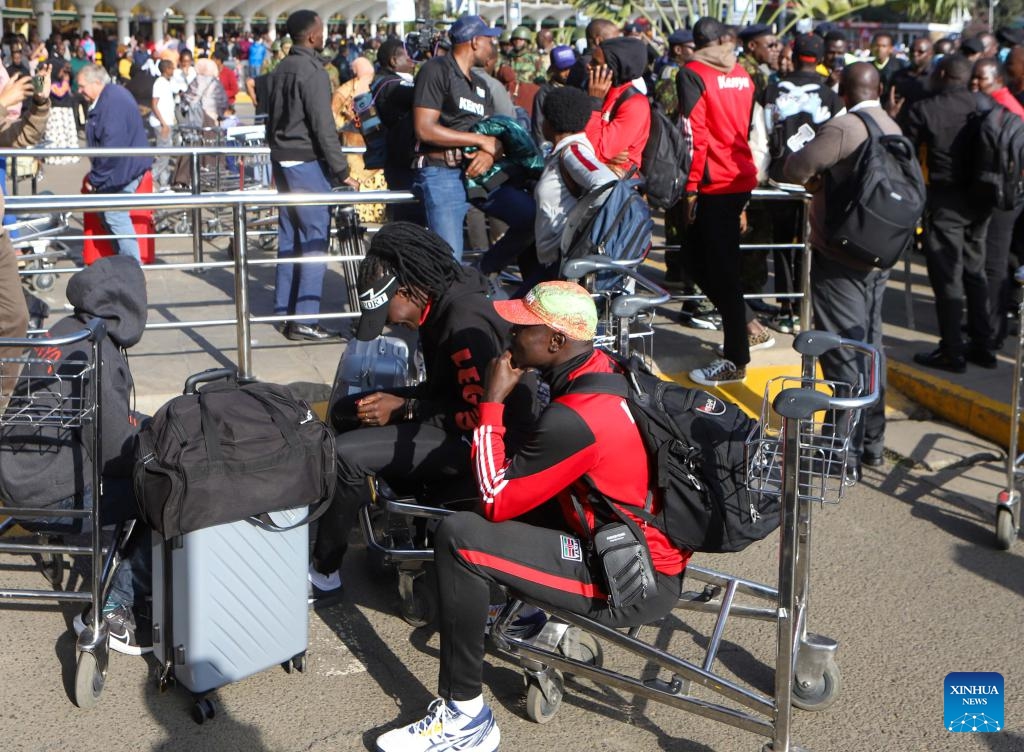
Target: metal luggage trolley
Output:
{"points": [[65, 405], [1008, 500]]}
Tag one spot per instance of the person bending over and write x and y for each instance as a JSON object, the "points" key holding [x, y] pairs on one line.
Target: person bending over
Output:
{"points": [[584, 446]]}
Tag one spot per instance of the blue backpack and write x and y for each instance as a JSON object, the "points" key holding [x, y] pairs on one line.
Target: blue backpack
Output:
{"points": [[612, 220]]}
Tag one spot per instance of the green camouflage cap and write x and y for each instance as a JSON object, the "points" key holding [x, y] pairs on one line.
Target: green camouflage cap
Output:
{"points": [[565, 307]]}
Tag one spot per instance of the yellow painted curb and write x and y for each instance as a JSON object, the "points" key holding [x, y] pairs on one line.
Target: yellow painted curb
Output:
{"points": [[749, 394], [966, 408]]}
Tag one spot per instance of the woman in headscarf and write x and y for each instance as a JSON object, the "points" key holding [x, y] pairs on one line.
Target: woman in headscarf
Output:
{"points": [[619, 130], [208, 92], [61, 131], [347, 120]]}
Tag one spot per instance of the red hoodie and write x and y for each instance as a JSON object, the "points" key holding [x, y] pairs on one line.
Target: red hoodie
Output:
{"points": [[626, 132], [716, 98]]}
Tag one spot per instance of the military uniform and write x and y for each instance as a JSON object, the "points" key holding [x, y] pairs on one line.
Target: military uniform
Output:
{"points": [[758, 74], [524, 63], [665, 93]]}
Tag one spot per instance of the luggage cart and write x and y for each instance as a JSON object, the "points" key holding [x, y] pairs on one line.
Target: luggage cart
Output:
{"points": [[1008, 500], [799, 454], [63, 404]]}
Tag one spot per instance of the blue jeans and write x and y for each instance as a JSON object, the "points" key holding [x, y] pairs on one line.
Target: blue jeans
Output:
{"points": [[120, 223], [133, 579], [443, 195], [302, 231]]}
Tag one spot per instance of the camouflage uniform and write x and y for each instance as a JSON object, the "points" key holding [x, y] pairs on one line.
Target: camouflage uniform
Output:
{"points": [[524, 65], [756, 72], [333, 75], [665, 93]]}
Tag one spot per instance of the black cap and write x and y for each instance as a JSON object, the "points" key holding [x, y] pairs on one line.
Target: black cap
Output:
{"points": [[753, 31], [1010, 37], [373, 303], [972, 46], [680, 36], [809, 46], [707, 31]]}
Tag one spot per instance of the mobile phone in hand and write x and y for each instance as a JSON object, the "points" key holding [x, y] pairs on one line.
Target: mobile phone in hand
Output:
{"points": [[37, 84]]}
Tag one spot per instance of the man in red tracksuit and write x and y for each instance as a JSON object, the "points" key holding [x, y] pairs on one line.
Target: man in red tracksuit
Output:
{"points": [[585, 445], [716, 98]]}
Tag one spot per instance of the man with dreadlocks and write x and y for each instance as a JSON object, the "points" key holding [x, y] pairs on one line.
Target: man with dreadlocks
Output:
{"points": [[410, 278]]}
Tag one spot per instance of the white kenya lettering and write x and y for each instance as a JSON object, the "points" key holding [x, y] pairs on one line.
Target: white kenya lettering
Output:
{"points": [[468, 105], [734, 82]]}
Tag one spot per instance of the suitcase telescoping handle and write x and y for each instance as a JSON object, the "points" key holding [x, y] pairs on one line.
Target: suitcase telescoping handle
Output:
{"points": [[210, 374]]}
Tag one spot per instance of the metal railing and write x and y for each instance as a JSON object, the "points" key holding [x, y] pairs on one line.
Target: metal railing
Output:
{"points": [[238, 203], [804, 246]]}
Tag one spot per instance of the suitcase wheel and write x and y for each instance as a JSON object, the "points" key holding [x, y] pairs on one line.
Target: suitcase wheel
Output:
{"points": [[202, 710], [297, 663]]}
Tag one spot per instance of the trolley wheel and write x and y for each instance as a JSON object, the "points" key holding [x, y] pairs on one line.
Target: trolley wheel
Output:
{"points": [[43, 282], [419, 611], [1006, 530], [51, 565], [203, 710], [588, 649], [299, 663], [89, 680], [821, 693], [539, 708]]}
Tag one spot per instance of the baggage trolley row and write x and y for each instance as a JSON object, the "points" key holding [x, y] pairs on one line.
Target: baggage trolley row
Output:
{"points": [[1008, 500]]}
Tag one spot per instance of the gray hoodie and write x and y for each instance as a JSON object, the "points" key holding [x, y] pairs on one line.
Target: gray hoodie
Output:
{"points": [[39, 467]]}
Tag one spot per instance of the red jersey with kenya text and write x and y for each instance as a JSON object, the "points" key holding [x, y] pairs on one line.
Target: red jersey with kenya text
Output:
{"points": [[716, 100], [583, 444]]}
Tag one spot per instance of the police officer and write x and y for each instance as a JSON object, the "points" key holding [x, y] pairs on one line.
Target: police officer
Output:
{"points": [[760, 58]]}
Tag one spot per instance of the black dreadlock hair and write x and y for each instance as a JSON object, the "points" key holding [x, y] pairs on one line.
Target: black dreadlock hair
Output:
{"points": [[420, 258]]}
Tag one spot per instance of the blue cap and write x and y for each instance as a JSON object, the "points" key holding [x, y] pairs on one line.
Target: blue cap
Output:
{"points": [[753, 31], [468, 28], [680, 36], [562, 57]]}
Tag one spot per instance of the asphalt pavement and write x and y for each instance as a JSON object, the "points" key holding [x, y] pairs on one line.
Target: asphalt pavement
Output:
{"points": [[905, 576]]}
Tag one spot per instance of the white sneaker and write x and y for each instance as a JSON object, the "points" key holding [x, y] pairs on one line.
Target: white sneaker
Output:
{"points": [[721, 371], [324, 589], [444, 728]]}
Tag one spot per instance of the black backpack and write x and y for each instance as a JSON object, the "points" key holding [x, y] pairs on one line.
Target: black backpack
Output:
{"points": [[228, 452], [873, 215], [696, 445], [997, 164], [665, 164]]}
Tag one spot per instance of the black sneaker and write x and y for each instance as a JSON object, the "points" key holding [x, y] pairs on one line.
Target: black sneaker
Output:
{"points": [[123, 634]]}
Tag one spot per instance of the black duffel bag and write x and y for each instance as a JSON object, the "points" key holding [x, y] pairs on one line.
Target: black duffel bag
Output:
{"points": [[228, 452]]}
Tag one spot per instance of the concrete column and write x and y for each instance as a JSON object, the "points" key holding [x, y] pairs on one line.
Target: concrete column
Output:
{"points": [[246, 23], [124, 23], [218, 27], [349, 28], [190, 30], [44, 17], [373, 28], [85, 14], [158, 26]]}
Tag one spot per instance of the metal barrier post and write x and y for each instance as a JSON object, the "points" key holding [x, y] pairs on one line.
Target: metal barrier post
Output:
{"points": [[805, 272], [14, 176], [242, 293], [197, 214]]}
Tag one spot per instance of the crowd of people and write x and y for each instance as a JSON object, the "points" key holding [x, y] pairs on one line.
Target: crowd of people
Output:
{"points": [[754, 110]]}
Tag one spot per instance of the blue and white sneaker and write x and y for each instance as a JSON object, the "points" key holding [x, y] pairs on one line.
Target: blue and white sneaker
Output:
{"points": [[445, 728]]}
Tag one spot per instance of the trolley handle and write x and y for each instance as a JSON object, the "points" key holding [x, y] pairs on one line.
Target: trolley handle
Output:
{"points": [[802, 403], [95, 330], [623, 306]]}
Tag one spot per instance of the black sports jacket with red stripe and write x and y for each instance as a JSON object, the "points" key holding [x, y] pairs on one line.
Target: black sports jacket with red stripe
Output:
{"points": [[582, 444]]}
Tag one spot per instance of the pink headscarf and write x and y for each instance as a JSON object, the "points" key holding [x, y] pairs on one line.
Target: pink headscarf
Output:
{"points": [[206, 67]]}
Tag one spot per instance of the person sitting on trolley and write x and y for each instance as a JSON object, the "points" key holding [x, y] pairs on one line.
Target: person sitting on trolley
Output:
{"points": [[50, 466], [410, 278], [583, 446]]}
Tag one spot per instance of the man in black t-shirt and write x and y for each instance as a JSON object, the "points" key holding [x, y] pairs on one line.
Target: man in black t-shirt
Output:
{"points": [[449, 100]]}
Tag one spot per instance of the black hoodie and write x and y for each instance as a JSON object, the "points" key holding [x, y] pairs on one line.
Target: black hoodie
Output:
{"points": [[461, 333], [42, 467], [627, 58]]}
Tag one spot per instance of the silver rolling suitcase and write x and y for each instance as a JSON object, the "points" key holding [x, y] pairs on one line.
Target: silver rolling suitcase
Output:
{"points": [[229, 601]]}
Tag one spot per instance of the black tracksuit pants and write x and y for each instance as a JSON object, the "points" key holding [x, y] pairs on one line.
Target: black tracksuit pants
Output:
{"points": [[713, 260], [541, 565], [402, 454]]}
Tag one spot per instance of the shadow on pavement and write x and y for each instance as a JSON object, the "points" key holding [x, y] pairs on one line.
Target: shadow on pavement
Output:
{"points": [[1004, 568]]}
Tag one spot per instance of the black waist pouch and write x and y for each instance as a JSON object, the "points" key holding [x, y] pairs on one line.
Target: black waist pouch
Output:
{"points": [[626, 564]]}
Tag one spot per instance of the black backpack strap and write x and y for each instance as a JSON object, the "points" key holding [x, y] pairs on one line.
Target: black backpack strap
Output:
{"points": [[869, 122], [628, 93], [600, 383]]}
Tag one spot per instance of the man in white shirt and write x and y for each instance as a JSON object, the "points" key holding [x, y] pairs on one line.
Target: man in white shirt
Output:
{"points": [[572, 171], [162, 121]]}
